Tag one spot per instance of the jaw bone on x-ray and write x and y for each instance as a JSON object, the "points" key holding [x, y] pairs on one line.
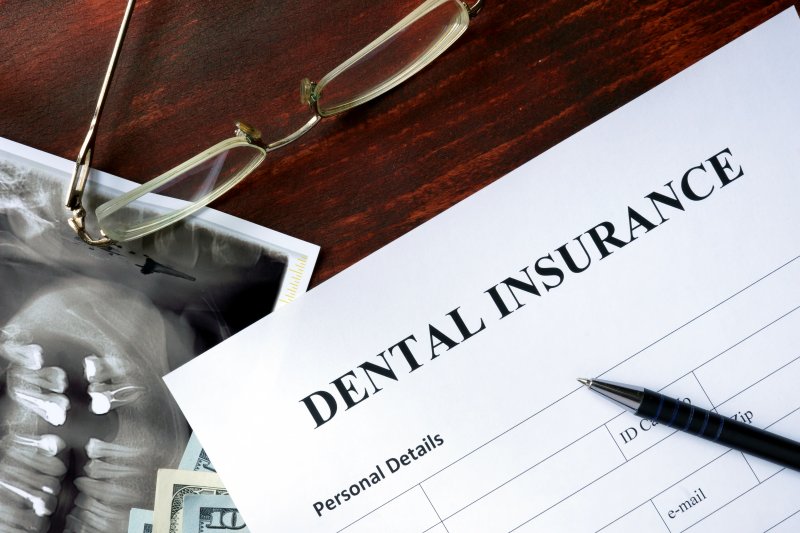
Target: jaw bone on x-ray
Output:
{"points": [[85, 336]]}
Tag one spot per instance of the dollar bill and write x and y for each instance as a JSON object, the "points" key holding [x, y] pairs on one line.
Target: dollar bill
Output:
{"points": [[203, 513], [195, 458], [140, 521], [171, 487]]}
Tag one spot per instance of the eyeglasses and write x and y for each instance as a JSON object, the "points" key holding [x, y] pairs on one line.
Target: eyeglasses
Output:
{"points": [[392, 58]]}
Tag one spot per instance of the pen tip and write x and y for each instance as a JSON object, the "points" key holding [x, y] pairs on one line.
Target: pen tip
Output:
{"points": [[587, 382]]}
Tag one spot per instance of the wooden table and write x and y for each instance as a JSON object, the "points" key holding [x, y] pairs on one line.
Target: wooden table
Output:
{"points": [[525, 76]]}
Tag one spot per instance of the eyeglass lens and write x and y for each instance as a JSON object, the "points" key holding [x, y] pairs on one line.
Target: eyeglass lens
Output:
{"points": [[394, 57], [183, 190]]}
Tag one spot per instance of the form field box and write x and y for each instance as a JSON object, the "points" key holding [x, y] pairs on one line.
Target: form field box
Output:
{"points": [[521, 448], [539, 488], [630, 485], [773, 403], [788, 427], [775, 344], [705, 491], [691, 345], [790, 524], [635, 434], [643, 518], [767, 401], [413, 506], [757, 508]]}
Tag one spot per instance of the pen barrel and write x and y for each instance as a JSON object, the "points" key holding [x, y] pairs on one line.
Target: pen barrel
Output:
{"points": [[717, 428]]}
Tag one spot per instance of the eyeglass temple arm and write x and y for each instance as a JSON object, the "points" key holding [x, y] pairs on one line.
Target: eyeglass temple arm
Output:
{"points": [[84, 159]]}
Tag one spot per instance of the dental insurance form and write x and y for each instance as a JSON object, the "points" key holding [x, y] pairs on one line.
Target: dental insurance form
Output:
{"points": [[431, 387]]}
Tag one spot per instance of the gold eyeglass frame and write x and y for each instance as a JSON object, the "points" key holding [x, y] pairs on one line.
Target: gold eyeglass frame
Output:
{"points": [[245, 135]]}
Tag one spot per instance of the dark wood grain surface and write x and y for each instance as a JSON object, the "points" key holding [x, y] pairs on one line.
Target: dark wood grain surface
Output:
{"points": [[525, 76]]}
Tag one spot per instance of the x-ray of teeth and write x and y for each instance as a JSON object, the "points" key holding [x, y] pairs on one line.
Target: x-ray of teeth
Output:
{"points": [[36, 461], [98, 449], [106, 396], [99, 469], [100, 369], [53, 378], [85, 336], [51, 407], [50, 445], [25, 356]]}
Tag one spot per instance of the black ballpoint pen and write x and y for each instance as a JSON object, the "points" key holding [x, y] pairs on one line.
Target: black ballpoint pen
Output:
{"points": [[700, 422]]}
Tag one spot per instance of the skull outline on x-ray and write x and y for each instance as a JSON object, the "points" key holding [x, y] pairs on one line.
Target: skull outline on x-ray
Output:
{"points": [[72, 345]]}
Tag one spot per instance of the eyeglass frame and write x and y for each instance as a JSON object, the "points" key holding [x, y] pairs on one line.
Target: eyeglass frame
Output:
{"points": [[251, 135]]}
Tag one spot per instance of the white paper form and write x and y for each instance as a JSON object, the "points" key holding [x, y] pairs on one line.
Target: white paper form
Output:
{"points": [[431, 387]]}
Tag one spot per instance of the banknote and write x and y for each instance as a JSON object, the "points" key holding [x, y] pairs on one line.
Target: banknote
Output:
{"points": [[195, 458], [140, 521], [203, 513], [171, 487]]}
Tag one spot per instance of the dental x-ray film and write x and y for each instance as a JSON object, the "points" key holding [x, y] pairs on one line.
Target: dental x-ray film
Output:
{"points": [[86, 334]]}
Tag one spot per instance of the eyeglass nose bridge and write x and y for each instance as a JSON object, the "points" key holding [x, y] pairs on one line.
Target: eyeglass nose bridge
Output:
{"points": [[78, 224], [475, 8]]}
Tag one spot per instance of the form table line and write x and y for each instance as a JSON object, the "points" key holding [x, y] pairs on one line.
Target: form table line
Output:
{"points": [[571, 392]]}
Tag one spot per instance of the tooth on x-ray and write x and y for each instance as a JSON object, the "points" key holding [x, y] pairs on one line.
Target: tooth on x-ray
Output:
{"points": [[51, 445], [82, 521], [93, 506], [7, 527], [20, 520], [99, 469], [25, 355], [50, 406], [43, 504], [32, 458], [99, 449], [106, 492], [98, 369], [51, 378], [21, 477], [107, 397]]}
